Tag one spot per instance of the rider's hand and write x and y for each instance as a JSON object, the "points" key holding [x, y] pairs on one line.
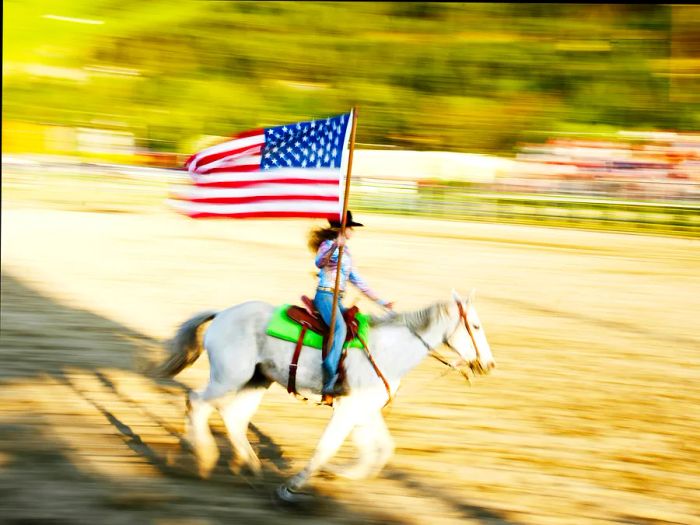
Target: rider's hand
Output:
{"points": [[340, 241], [389, 305]]}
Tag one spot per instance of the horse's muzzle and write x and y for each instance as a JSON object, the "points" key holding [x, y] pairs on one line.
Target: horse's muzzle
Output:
{"points": [[478, 367]]}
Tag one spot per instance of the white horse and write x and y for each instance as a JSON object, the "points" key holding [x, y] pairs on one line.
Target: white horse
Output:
{"points": [[244, 361]]}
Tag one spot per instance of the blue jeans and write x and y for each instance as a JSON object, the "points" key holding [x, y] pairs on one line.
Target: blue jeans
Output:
{"points": [[324, 303]]}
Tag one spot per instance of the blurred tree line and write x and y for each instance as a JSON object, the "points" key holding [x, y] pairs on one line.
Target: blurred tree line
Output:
{"points": [[438, 76]]}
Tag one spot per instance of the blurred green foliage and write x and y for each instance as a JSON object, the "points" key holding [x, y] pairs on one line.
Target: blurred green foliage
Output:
{"points": [[439, 76]]}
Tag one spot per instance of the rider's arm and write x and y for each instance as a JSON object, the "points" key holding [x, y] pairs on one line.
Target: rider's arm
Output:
{"points": [[364, 287]]}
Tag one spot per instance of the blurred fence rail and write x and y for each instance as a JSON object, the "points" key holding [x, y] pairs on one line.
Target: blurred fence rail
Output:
{"points": [[74, 183], [448, 202]]}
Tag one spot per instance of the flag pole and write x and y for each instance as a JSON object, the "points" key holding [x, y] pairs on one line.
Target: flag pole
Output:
{"points": [[342, 229]]}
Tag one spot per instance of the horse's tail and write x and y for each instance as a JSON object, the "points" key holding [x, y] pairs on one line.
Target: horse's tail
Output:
{"points": [[185, 347]]}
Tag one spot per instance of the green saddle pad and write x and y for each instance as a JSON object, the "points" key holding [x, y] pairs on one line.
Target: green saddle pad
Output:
{"points": [[283, 327]]}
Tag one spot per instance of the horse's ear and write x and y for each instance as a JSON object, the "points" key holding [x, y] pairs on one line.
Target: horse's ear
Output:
{"points": [[456, 296], [472, 295]]}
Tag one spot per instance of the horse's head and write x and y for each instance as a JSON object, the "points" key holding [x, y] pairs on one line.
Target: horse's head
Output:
{"points": [[467, 337]]}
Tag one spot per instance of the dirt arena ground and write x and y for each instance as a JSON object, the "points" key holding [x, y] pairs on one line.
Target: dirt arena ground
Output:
{"points": [[592, 415]]}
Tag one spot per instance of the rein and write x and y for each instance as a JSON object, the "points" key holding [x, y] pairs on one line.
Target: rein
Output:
{"points": [[444, 361], [376, 370]]}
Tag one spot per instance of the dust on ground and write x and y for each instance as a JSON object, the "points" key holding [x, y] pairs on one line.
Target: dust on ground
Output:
{"points": [[591, 416]]}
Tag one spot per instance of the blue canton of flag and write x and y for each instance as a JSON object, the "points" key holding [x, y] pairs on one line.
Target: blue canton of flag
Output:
{"points": [[313, 144]]}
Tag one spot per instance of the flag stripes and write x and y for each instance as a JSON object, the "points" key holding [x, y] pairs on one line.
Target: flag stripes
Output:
{"points": [[296, 170]]}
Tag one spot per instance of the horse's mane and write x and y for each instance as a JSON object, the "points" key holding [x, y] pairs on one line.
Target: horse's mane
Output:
{"points": [[416, 321]]}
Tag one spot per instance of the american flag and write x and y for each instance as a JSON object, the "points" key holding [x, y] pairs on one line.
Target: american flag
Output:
{"points": [[295, 170]]}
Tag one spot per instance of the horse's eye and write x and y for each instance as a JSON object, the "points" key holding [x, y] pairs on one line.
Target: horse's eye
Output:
{"points": [[476, 326]]}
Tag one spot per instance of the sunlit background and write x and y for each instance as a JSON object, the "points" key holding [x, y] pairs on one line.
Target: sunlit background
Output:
{"points": [[546, 154], [456, 101]]}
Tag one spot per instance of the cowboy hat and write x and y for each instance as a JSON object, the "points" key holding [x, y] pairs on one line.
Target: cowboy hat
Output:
{"points": [[349, 223]]}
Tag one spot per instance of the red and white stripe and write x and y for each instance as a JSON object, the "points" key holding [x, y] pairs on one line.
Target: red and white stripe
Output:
{"points": [[228, 182], [240, 154]]}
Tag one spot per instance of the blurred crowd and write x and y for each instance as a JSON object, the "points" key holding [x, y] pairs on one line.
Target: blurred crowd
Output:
{"points": [[640, 165]]}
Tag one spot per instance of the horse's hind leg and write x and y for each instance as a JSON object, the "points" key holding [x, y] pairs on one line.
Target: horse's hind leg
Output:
{"points": [[198, 434], [231, 345], [200, 405], [236, 414]]}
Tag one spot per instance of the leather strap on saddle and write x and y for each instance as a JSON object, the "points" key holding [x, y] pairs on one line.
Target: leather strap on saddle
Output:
{"points": [[291, 384]]}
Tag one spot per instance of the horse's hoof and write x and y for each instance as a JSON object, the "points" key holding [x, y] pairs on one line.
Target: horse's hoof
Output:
{"points": [[286, 496]]}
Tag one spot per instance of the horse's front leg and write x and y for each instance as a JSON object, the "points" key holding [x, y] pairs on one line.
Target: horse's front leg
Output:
{"points": [[343, 420], [374, 445], [384, 444]]}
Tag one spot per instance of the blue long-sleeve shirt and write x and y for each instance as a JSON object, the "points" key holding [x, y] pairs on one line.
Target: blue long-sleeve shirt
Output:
{"points": [[327, 262]]}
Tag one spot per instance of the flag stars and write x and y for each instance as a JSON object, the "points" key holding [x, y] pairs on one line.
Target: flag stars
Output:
{"points": [[304, 144]]}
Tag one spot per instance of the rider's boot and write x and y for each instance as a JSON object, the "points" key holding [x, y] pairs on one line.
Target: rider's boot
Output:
{"points": [[332, 386]]}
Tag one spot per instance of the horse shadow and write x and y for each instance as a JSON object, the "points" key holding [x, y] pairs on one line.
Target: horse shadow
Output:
{"points": [[41, 337], [52, 349], [467, 511]]}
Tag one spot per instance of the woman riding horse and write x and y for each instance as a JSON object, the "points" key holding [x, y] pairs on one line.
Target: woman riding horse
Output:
{"points": [[326, 243]]}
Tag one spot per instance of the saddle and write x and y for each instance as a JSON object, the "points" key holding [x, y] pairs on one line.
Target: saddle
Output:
{"points": [[310, 319]]}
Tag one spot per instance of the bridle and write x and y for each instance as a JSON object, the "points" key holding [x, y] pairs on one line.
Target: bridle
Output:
{"points": [[446, 341]]}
